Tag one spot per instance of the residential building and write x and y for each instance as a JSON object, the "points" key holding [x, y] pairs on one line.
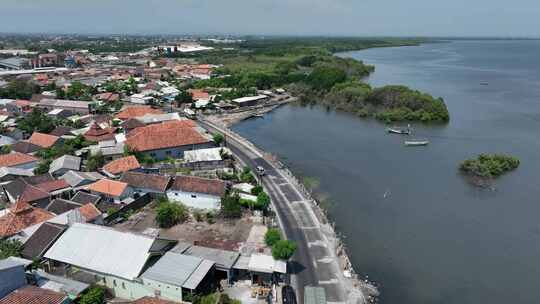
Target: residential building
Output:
{"points": [[146, 183], [224, 259], [175, 275], [26, 147], [63, 164], [8, 174], [109, 257], [18, 160], [77, 179], [85, 198], [35, 295], [12, 276], [110, 190], [97, 133], [206, 159], [136, 111], [121, 165], [41, 240], [43, 140], [196, 192], [168, 140], [15, 63], [21, 216], [75, 106]]}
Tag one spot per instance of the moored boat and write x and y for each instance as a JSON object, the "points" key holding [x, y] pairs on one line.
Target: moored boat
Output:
{"points": [[416, 142], [396, 130]]}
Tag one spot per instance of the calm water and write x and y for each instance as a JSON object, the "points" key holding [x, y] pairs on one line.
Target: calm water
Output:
{"points": [[432, 238]]}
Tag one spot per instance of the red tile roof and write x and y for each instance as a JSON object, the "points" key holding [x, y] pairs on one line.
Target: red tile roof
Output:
{"points": [[50, 186], [89, 212], [165, 135], [122, 165], [33, 295], [153, 182], [199, 94], [96, 133], [43, 140], [109, 187], [22, 215], [136, 111], [15, 158], [198, 185]]}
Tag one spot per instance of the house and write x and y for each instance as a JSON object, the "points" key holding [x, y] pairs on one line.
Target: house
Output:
{"points": [[196, 192], [108, 97], [111, 191], [263, 269], [110, 149], [18, 160], [97, 133], [176, 275], [59, 113], [85, 198], [87, 213], [12, 276], [41, 240], [148, 119], [25, 147], [250, 100], [168, 139], [61, 131], [121, 165], [64, 164], [25, 188], [146, 183], [141, 99], [43, 140], [74, 106], [199, 95], [224, 259], [206, 159], [74, 289], [21, 216], [78, 179], [6, 141], [131, 124], [109, 257], [35, 295], [8, 174], [136, 111]]}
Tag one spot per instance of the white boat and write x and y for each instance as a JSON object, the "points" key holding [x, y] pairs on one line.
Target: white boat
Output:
{"points": [[417, 142], [398, 130]]}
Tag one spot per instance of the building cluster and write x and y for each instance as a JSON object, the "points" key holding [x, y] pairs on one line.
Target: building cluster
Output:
{"points": [[118, 142]]}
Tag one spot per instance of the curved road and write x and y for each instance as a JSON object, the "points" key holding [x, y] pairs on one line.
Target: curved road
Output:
{"points": [[313, 263]]}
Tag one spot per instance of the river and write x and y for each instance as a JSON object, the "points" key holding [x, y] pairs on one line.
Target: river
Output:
{"points": [[410, 221]]}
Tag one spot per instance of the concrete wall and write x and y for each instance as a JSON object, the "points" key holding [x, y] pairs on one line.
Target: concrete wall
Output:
{"points": [[11, 279], [166, 291], [195, 200]]}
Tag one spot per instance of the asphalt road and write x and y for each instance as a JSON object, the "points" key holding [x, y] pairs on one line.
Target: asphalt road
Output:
{"points": [[301, 265]]}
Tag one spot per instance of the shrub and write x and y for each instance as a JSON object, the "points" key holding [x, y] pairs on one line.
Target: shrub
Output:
{"points": [[489, 165], [169, 214], [256, 190], [95, 295], [10, 248], [230, 206], [218, 138], [272, 236], [283, 249], [263, 200]]}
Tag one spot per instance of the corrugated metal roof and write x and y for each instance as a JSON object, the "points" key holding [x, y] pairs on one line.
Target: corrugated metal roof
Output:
{"points": [[267, 264], [103, 250], [178, 269], [223, 258]]}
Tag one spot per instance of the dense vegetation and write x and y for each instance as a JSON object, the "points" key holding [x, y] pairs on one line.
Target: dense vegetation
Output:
{"points": [[10, 248], [281, 249], [169, 214], [311, 71], [489, 165], [19, 89]]}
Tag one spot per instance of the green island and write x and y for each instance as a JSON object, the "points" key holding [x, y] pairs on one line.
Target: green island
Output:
{"points": [[309, 69], [488, 166]]}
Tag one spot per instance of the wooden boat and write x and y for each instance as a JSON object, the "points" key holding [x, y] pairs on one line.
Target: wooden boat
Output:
{"points": [[416, 142], [396, 130]]}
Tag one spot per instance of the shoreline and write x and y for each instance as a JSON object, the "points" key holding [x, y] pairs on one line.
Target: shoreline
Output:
{"points": [[368, 291]]}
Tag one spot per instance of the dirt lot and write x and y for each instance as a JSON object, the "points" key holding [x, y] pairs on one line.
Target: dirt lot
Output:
{"points": [[224, 234]]}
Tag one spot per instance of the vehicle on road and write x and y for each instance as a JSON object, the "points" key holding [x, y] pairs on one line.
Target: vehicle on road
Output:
{"points": [[260, 171]]}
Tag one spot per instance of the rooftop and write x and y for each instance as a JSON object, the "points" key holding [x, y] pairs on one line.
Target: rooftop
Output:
{"points": [[109, 187], [34, 295], [136, 111], [169, 134], [43, 140], [139, 180], [15, 159], [121, 165], [22, 215], [198, 185]]}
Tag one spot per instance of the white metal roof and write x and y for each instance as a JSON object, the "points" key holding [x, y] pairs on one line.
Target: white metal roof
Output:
{"points": [[179, 270], [244, 187], [249, 98], [102, 249], [210, 154], [267, 264]]}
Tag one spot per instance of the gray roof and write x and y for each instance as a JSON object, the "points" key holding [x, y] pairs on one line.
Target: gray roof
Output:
{"points": [[65, 162], [6, 140], [223, 258], [59, 284], [15, 171], [10, 262], [76, 178], [179, 270]]}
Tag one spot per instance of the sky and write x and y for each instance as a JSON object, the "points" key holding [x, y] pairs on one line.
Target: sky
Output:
{"points": [[275, 17]]}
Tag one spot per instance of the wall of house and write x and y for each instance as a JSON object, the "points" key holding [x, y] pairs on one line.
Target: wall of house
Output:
{"points": [[195, 200], [166, 291], [176, 152], [11, 279]]}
